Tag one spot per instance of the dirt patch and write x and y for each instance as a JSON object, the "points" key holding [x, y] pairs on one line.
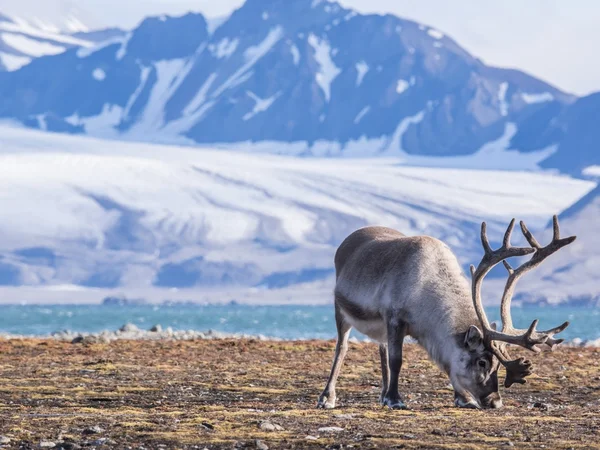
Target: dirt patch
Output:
{"points": [[223, 394]]}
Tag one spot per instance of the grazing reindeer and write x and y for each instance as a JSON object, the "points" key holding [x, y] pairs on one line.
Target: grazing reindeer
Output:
{"points": [[389, 286]]}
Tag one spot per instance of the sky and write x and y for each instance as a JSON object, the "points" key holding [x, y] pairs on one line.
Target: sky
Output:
{"points": [[554, 40]]}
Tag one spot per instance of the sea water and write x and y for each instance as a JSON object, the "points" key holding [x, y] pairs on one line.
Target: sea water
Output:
{"points": [[286, 321]]}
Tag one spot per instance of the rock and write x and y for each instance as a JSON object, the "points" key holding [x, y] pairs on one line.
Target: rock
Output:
{"points": [[509, 444], [207, 426], [129, 328], [93, 430], [156, 329], [268, 426], [77, 340], [4, 440], [542, 406], [344, 416], [261, 445], [330, 429], [67, 446], [46, 444], [311, 438], [102, 441]]}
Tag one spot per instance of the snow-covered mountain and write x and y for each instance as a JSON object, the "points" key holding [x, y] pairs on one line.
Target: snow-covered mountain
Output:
{"points": [[573, 274], [54, 16], [307, 72], [22, 41], [577, 133]]}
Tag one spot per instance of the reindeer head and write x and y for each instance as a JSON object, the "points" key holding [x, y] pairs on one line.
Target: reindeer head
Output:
{"points": [[486, 349]]}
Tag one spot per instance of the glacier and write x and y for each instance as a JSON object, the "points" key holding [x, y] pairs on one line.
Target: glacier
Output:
{"points": [[86, 217]]}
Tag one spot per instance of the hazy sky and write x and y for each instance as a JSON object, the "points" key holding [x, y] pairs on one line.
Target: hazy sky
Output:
{"points": [[555, 40]]}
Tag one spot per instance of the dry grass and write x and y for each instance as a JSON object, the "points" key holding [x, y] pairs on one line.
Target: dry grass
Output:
{"points": [[215, 394]]}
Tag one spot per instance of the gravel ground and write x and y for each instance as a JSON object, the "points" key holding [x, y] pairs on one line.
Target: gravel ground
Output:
{"points": [[248, 393]]}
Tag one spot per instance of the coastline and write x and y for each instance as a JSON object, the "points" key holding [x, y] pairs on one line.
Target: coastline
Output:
{"points": [[131, 332]]}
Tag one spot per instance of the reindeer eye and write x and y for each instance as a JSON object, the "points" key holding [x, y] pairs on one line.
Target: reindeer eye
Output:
{"points": [[482, 363]]}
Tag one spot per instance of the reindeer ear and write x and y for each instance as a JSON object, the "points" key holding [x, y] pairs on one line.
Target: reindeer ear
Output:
{"points": [[473, 338]]}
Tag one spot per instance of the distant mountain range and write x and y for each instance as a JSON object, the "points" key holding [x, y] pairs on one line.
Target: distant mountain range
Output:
{"points": [[307, 77], [22, 41]]}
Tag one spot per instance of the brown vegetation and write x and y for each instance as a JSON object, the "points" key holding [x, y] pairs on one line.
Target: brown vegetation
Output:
{"points": [[222, 394]]}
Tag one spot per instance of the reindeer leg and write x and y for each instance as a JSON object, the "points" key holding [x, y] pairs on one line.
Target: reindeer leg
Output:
{"points": [[396, 330], [385, 371], [327, 398]]}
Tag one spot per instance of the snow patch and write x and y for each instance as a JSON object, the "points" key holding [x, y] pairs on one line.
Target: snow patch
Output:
{"points": [[224, 49], [84, 52], [537, 98], [31, 47], [99, 74], [170, 74], [123, 49], [362, 114], [143, 79], [295, 54], [436, 34], [328, 70], [252, 55], [402, 86], [502, 98], [261, 105], [591, 171], [200, 96], [361, 68], [13, 62]]}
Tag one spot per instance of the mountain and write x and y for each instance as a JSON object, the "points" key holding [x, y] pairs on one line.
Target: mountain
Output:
{"points": [[55, 16], [572, 274], [84, 212], [577, 134], [22, 41], [304, 72]]}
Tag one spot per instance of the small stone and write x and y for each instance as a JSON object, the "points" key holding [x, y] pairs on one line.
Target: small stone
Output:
{"points": [[311, 438], [207, 426], [93, 430], [67, 446], [77, 340], [156, 329], [344, 416], [509, 444], [542, 406], [4, 440], [129, 328], [330, 429], [267, 426], [101, 441], [47, 444], [261, 445]]}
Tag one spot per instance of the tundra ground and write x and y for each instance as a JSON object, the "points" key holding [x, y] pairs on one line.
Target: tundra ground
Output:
{"points": [[245, 393]]}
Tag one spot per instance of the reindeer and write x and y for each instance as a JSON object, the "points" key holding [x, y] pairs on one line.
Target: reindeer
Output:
{"points": [[389, 286]]}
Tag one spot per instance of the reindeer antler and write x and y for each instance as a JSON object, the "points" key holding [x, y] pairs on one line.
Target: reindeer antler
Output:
{"points": [[530, 339], [541, 253]]}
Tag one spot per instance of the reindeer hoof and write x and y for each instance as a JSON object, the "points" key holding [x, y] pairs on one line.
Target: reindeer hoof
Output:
{"points": [[326, 403], [394, 404]]}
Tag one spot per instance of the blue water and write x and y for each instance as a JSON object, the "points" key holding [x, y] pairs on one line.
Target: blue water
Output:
{"points": [[287, 322]]}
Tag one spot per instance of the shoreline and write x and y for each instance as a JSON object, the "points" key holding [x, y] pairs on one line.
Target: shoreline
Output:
{"points": [[131, 332]]}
